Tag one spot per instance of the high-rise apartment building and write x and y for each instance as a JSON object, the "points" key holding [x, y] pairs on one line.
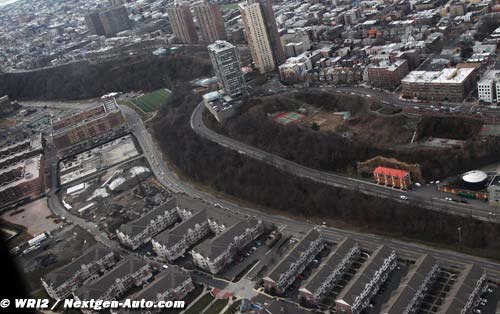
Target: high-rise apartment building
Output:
{"points": [[115, 20], [262, 34], [210, 21], [227, 67], [182, 23], [94, 24], [108, 22]]}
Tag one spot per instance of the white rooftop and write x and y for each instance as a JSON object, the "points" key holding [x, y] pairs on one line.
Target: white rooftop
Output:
{"points": [[449, 75]]}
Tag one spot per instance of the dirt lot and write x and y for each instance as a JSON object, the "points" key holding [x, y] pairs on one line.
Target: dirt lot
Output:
{"points": [[58, 250], [40, 217], [326, 120]]}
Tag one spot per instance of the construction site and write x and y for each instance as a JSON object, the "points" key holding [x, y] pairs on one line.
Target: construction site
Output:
{"points": [[115, 196], [22, 170]]}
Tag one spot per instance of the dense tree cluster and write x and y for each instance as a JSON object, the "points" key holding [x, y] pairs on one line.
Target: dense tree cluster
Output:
{"points": [[238, 175], [83, 79], [379, 137]]}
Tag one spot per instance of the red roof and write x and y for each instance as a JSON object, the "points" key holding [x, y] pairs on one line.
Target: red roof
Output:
{"points": [[391, 172]]}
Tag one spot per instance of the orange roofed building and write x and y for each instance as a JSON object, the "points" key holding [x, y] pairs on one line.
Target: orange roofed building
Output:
{"points": [[395, 178]]}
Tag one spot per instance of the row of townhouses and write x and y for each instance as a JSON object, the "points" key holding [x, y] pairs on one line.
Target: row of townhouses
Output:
{"points": [[141, 230], [63, 281], [230, 235], [414, 287], [317, 287], [465, 294], [293, 264], [356, 295], [130, 272], [171, 284], [215, 254]]}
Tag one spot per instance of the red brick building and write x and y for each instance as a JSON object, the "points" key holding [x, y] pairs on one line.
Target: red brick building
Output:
{"points": [[392, 177]]}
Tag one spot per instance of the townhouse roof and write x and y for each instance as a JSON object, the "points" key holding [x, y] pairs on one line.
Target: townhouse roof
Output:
{"points": [[201, 214], [135, 227], [170, 278], [59, 276], [293, 255], [459, 294], [410, 285], [363, 276], [97, 288], [216, 246], [328, 265]]}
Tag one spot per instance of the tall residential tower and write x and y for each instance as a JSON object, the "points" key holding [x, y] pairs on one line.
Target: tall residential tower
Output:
{"points": [[210, 21], [227, 67], [262, 34], [182, 23]]}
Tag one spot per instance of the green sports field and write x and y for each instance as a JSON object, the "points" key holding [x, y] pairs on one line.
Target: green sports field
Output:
{"points": [[153, 101]]}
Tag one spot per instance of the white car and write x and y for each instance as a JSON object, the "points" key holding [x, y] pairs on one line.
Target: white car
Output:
{"points": [[403, 197], [448, 199]]}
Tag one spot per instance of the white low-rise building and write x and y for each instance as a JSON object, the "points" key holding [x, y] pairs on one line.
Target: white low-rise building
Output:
{"points": [[488, 88]]}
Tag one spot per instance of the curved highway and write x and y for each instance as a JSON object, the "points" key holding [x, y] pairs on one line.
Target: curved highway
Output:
{"points": [[480, 211]]}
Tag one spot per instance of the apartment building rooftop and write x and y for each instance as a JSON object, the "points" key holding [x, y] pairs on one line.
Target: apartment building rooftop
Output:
{"points": [[220, 45], [364, 275], [388, 65], [170, 237], [65, 123], [61, 275], [170, 278], [293, 255], [445, 76], [410, 286], [490, 75], [97, 288], [135, 227], [217, 245], [328, 265]]}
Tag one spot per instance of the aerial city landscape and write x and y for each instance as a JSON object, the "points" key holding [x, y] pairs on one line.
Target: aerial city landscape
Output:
{"points": [[262, 156]]}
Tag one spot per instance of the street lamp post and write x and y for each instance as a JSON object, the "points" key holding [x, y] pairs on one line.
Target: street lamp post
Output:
{"points": [[460, 236]]}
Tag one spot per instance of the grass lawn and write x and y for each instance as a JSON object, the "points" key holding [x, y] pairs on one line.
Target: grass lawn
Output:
{"points": [[199, 306], [217, 306], [229, 6], [153, 101]]}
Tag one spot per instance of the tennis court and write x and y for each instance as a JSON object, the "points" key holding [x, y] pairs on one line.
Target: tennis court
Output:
{"points": [[287, 117], [491, 130]]}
